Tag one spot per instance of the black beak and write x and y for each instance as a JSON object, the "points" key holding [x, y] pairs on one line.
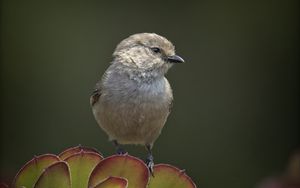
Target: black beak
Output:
{"points": [[175, 59]]}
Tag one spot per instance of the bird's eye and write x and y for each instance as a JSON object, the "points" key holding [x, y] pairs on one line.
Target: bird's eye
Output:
{"points": [[156, 50]]}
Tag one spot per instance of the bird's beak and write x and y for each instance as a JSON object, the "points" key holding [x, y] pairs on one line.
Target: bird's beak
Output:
{"points": [[175, 59]]}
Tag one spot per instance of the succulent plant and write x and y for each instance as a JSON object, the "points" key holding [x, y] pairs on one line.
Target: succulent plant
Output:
{"points": [[81, 167]]}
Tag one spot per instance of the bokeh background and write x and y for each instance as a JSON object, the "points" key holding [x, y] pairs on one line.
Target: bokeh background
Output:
{"points": [[235, 118]]}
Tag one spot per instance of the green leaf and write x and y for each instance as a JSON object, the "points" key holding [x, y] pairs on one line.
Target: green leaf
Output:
{"points": [[55, 176], [167, 176], [70, 151], [81, 165], [126, 166], [30, 172], [113, 182]]}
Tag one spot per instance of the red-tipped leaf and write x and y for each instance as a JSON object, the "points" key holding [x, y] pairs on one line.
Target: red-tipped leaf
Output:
{"points": [[30, 172], [113, 182], [125, 166], [55, 176], [71, 151], [167, 176], [81, 165]]}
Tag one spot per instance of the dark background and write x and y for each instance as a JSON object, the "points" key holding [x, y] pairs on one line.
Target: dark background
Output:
{"points": [[235, 115]]}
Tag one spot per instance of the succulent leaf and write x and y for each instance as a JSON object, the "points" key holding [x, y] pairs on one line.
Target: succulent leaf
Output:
{"points": [[81, 165], [113, 182], [167, 176], [55, 176], [70, 151], [30, 172], [126, 166]]}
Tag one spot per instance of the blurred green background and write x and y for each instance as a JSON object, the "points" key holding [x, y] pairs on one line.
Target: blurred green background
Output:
{"points": [[236, 111]]}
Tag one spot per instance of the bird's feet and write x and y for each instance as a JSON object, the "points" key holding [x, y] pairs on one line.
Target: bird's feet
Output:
{"points": [[120, 151], [150, 163]]}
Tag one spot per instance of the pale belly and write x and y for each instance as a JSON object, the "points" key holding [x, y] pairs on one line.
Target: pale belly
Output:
{"points": [[132, 121]]}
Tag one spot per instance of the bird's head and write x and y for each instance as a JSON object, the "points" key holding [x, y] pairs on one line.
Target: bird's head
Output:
{"points": [[146, 52]]}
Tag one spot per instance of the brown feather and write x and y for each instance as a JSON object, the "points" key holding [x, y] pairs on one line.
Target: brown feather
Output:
{"points": [[95, 97]]}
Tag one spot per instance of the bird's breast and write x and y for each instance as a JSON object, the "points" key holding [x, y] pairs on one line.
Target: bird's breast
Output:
{"points": [[126, 90], [131, 112]]}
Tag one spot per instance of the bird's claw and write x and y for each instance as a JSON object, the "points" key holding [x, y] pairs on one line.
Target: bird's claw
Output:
{"points": [[121, 151], [150, 164]]}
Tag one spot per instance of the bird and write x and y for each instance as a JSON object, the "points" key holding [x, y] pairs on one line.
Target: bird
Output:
{"points": [[133, 99]]}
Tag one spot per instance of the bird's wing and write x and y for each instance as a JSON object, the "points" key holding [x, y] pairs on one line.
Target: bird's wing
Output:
{"points": [[170, 106], [95, 95]]}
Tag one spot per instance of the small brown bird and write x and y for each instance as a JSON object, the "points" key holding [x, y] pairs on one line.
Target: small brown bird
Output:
{"points": [[132, 101]]}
